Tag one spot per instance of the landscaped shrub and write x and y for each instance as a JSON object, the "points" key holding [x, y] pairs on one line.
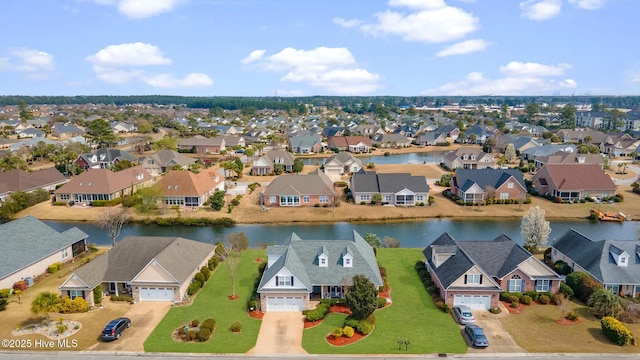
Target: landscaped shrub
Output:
{"points": [[382, 302], [314, 315], [199, 278], [4, 293], [565, 289], [495, 310], [348, 331], [515, 304], [97, 294], [236, 327], [351, 321], [195, 323], [203, 334], [543, 299], [121, 298], [504, 295], [532, 294], [526, 299], [208, 324], [572, 315], [615, 331], [513, 299], [52, 268], [68, 306], [3, 304], [562, 267], [213, 262], [337, 332], [194, 287], [191, 335], [364, 327]]}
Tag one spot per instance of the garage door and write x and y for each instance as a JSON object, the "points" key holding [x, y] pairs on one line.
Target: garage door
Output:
{"points": [[284, 303], [473, 301], [156, 294]]}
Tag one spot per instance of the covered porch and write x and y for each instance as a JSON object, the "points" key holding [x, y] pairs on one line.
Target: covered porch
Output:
{"points": [[625, 290], [329, 291]]}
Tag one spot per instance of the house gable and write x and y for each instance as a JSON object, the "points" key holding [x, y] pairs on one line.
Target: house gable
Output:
{"points": [[153, 272], [284, 280]]}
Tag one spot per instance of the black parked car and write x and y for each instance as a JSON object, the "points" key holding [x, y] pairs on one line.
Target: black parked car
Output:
{"points": [[114, 328]]}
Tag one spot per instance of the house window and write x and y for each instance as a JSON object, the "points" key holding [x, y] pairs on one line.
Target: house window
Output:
{"points": [[365, 197], [543, 285], [272, 199], [510, 185], [387, 199], [347, 261], [284, 280], [504, 195], [323, 261], [515, 284], [473, 279], [324, 199], [65, 253], [306, 198], [74, 294], [614, 288], [419, 198]]}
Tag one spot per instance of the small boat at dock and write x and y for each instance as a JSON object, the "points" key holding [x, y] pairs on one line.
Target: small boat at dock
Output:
{"points": [[609, 215]]}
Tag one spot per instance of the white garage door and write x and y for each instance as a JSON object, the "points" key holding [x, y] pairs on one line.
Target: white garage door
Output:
{"points": [[473, 301], [156, 294], [284, 303]]}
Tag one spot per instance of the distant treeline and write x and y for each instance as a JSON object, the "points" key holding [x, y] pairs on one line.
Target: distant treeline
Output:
{"points": [[353, 104]]}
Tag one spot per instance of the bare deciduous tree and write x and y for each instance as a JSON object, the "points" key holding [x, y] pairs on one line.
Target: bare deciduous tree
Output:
{"points": [[112, 221], [510, 153]]}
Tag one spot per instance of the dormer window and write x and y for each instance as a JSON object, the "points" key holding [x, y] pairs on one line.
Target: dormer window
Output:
{"points": [[140, 176], [347, 257], [323, 261], [473, 157]]}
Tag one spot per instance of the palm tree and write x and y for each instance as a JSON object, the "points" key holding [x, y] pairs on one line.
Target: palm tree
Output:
{"points": [[45, 303]]}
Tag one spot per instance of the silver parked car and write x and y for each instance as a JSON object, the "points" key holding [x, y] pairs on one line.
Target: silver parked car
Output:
{"points": [[463, 314]]}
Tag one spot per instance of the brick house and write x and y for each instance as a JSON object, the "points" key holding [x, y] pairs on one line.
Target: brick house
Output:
{"points": [[478, 185]]}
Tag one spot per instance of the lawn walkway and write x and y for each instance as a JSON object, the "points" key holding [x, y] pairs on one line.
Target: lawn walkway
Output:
{"points": [[212, 302], [412, 317]]}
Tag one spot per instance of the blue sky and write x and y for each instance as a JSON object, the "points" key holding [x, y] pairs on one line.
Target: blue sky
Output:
{"points": [[328, 47]]}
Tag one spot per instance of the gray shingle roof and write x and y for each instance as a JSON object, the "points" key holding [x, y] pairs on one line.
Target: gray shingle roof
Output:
{"points": [[387, 183], [300, 257], [124, 261], [465, 178], [316, 183], [27, 240], [596, 257]]}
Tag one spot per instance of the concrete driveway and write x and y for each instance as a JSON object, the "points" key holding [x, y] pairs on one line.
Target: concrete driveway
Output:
{"points": [[144, 318], [280, 333], [499, 339]]}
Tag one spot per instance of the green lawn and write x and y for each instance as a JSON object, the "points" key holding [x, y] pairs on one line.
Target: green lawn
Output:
{"points": [[412, 317], [212, 302]]}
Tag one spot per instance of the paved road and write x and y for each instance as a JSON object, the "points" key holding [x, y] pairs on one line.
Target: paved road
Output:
{"points": [[144, 318], [280, 333]]}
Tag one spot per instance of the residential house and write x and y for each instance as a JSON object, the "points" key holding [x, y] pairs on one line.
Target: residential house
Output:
{"points": [[562, 157], [619, 145], [184, 188], [477, 134], [593, 119], [520, 143], [266, 164], [430, 139], [305, 144], [582, 136], [341, 164], [477, 185], [28, 247], [301, 270], [407, 131], [369, 130], [399, 189], [573, 182], [612, 263], [201, 145], [391, 141], [103, 184], [31, 133], [165, 160], [353, 144], [299, 190], [148, 268], [233, 140], [330, 131], [534, 153], [473, 273], [122, 127], [66, 131], [103, 159], [450, 131], [469, 158], [29, 181]]}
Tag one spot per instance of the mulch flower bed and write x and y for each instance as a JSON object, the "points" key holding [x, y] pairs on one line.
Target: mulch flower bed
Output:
{"points": [[512, 310], [338, 308], [310, 324], [232, 297], [258, 260], [256, 314], [343, 340], [385, 294]]}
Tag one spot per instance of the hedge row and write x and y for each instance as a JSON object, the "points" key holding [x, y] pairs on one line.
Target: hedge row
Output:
{"points": [[54, 267]]}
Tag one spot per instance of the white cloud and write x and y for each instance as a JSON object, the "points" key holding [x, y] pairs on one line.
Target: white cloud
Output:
{"points": [[333, 70], [36, 64], [589, 4], [347, 23], [142, 9], [520, 80], [464, 47], [635, 77], [525, 69], [429, 21], [418, 4], [130, 54], [253, 57], [124, 63], [540, 10]]}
